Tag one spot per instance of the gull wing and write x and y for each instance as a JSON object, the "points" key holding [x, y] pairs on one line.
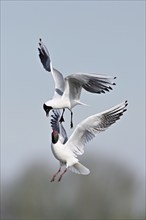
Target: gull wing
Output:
{"points": [[57, 126], [72, 88], [94, 83], [59, 82], [88, 128], [47, 64], [44, 56]]}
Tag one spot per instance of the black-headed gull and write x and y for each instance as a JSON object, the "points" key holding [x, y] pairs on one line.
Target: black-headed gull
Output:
{"points": [[66, 150], [68, 90]]}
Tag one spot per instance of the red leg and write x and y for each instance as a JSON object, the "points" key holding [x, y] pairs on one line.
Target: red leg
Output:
{"points": [[53, 178], [62, 175]]}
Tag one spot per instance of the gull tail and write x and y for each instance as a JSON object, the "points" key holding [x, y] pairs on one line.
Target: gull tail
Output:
{"points": [[80, 103], [79, 169]]}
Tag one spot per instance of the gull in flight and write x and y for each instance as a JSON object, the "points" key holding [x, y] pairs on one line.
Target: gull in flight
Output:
{"points": [[68, 90], [66, 150]]}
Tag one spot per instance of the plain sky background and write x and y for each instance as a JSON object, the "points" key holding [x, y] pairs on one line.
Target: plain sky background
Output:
{"points": [[99, 37]]}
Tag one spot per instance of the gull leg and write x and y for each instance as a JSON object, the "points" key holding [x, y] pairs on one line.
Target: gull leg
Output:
{"points": [[62, 119], [53, 178], [71, 123], [62, 175]]}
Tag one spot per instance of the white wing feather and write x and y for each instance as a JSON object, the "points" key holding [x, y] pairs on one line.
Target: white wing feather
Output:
{"points": [[88, 128], [59, 82]]}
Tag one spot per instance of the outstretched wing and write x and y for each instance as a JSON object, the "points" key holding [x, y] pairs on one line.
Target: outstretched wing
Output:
{"points": [[57, 125], [93, 83], [88, 128], [44, 56], [47, 64]]}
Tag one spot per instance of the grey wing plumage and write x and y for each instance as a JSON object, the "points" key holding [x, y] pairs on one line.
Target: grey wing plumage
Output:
{"points": [[74, 87], [55, 120], [44, 56], [57, 125], [88, 128], [109, 117], [94, 83]]}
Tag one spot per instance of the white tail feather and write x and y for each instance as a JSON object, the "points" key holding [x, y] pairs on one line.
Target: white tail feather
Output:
{"points": [[81, 103], [79, 169]]}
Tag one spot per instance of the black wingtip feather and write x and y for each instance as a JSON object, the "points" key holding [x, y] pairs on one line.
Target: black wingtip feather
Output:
{"points": [[107, 89], [124, 110], [126, 103]]}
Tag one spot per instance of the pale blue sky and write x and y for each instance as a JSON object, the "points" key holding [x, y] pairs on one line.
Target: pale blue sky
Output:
{"points": [[100, 36]]}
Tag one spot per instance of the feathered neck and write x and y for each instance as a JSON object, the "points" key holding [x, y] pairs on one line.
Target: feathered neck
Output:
{"points": [[55, 136]]}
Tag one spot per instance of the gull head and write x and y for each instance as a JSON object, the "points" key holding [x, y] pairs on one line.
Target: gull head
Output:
{"points": [[47, 109], [55, 136]]}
